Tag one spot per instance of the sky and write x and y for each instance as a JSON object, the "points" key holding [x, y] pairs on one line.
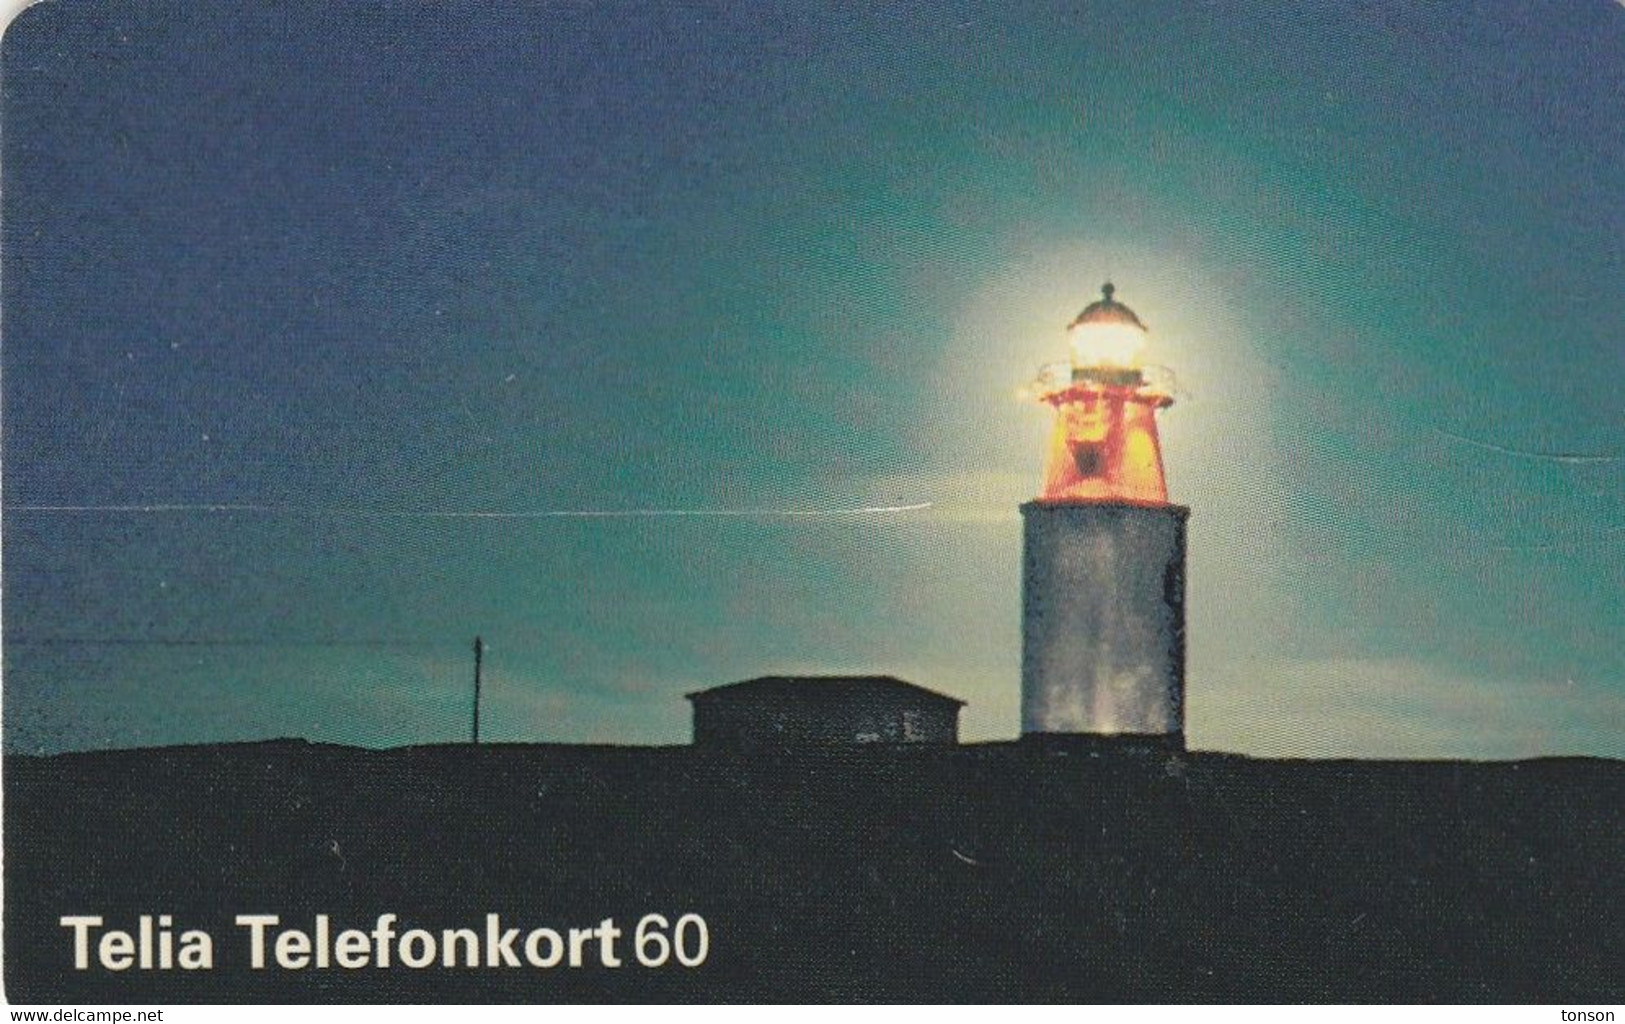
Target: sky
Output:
{"points": [[321, 325]]}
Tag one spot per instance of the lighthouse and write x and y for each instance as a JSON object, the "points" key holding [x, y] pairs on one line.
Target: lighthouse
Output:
{"points": [[1103, 549]]}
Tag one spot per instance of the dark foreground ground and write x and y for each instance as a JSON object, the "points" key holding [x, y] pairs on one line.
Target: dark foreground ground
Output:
{"points": [[997, 872]]}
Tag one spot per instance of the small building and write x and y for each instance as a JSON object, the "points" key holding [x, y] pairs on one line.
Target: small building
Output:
{"points": [[822, 711]]}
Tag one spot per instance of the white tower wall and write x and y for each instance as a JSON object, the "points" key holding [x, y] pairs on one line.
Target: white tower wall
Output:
{"points": [[1103, 619]]}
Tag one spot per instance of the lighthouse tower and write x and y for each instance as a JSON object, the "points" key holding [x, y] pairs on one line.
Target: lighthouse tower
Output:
{"points": [[1103, 562]]}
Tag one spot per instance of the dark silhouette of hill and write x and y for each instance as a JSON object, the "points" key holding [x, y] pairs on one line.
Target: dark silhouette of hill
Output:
{"points": [[1000, 872]]}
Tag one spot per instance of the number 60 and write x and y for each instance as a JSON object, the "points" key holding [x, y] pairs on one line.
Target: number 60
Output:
{"points": [[690, 940]]}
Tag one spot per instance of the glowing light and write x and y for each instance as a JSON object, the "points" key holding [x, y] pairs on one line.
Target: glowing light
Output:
{"points": [[1115, 345]]}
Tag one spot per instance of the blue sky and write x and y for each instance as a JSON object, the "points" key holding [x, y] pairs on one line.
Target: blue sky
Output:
{"points": [[348, 264]]}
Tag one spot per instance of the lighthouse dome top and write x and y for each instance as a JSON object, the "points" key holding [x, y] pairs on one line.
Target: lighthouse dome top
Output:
{"points": [[1107, 310], [1106, 333]]}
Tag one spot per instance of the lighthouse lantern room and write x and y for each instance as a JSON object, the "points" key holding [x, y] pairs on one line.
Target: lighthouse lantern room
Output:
{"points": [[1104, 445]]}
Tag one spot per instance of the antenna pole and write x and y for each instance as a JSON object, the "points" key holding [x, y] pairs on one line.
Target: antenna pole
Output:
{"points": [[479, 657]]}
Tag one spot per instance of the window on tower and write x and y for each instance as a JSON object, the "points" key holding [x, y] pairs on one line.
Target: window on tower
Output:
{"points": [[1090, 459]]}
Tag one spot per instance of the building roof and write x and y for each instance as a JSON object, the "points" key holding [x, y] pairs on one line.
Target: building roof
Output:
{"points": [[1107, 310], [822, 688]]}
